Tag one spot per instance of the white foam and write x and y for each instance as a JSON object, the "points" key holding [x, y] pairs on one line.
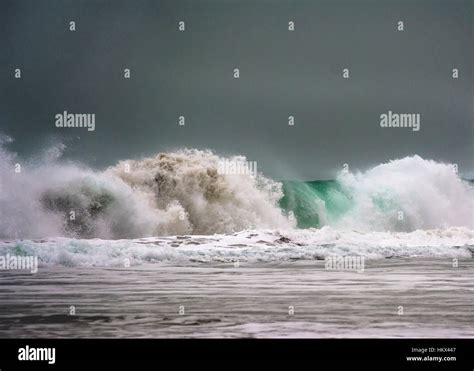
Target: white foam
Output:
{"points": [[248, 246], [183, 193], [167, 194], [429, 195]]}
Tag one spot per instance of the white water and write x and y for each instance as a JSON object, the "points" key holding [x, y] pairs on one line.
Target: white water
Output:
{"points": [[219, 217], [168, 194], [247, 246], [428, 194]]}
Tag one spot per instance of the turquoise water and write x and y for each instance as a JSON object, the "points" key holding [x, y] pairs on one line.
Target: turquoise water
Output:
{"points": [[307, 200], [322, 202]]}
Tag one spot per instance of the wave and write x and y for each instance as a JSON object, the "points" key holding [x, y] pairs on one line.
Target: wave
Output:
{"points": [[184, 193], [168, 194], [403, 195], [247, 246]]}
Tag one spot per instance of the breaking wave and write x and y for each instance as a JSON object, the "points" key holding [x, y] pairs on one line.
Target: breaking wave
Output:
{"points": [[184, 193], [247, 246], [167, 194], [402, 195]]}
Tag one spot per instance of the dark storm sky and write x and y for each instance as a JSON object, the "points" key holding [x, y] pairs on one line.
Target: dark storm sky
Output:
{"points": [[282, 73]]}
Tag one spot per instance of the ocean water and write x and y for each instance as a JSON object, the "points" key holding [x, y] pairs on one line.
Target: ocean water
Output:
{"points": [[168, 246], [185, 193], [246, 284], [252, 300]]}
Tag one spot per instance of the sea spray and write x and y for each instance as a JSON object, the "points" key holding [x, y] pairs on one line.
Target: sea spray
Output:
{"points": [[168, 194], [405, 195], [401, 195], [184, 193]]}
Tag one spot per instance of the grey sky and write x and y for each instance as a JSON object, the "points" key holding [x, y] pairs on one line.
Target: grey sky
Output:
{"points": [[283, 73]]}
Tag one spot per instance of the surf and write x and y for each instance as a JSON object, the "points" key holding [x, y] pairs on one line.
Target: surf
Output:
{"points": [[401, 195], [184, 193], [175, 193]]}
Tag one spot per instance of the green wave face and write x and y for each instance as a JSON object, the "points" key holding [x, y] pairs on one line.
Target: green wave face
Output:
{"points": [[315, 203]]}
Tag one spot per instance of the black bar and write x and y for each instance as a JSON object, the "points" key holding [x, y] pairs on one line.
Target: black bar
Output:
{"points": [[390, 352]]}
